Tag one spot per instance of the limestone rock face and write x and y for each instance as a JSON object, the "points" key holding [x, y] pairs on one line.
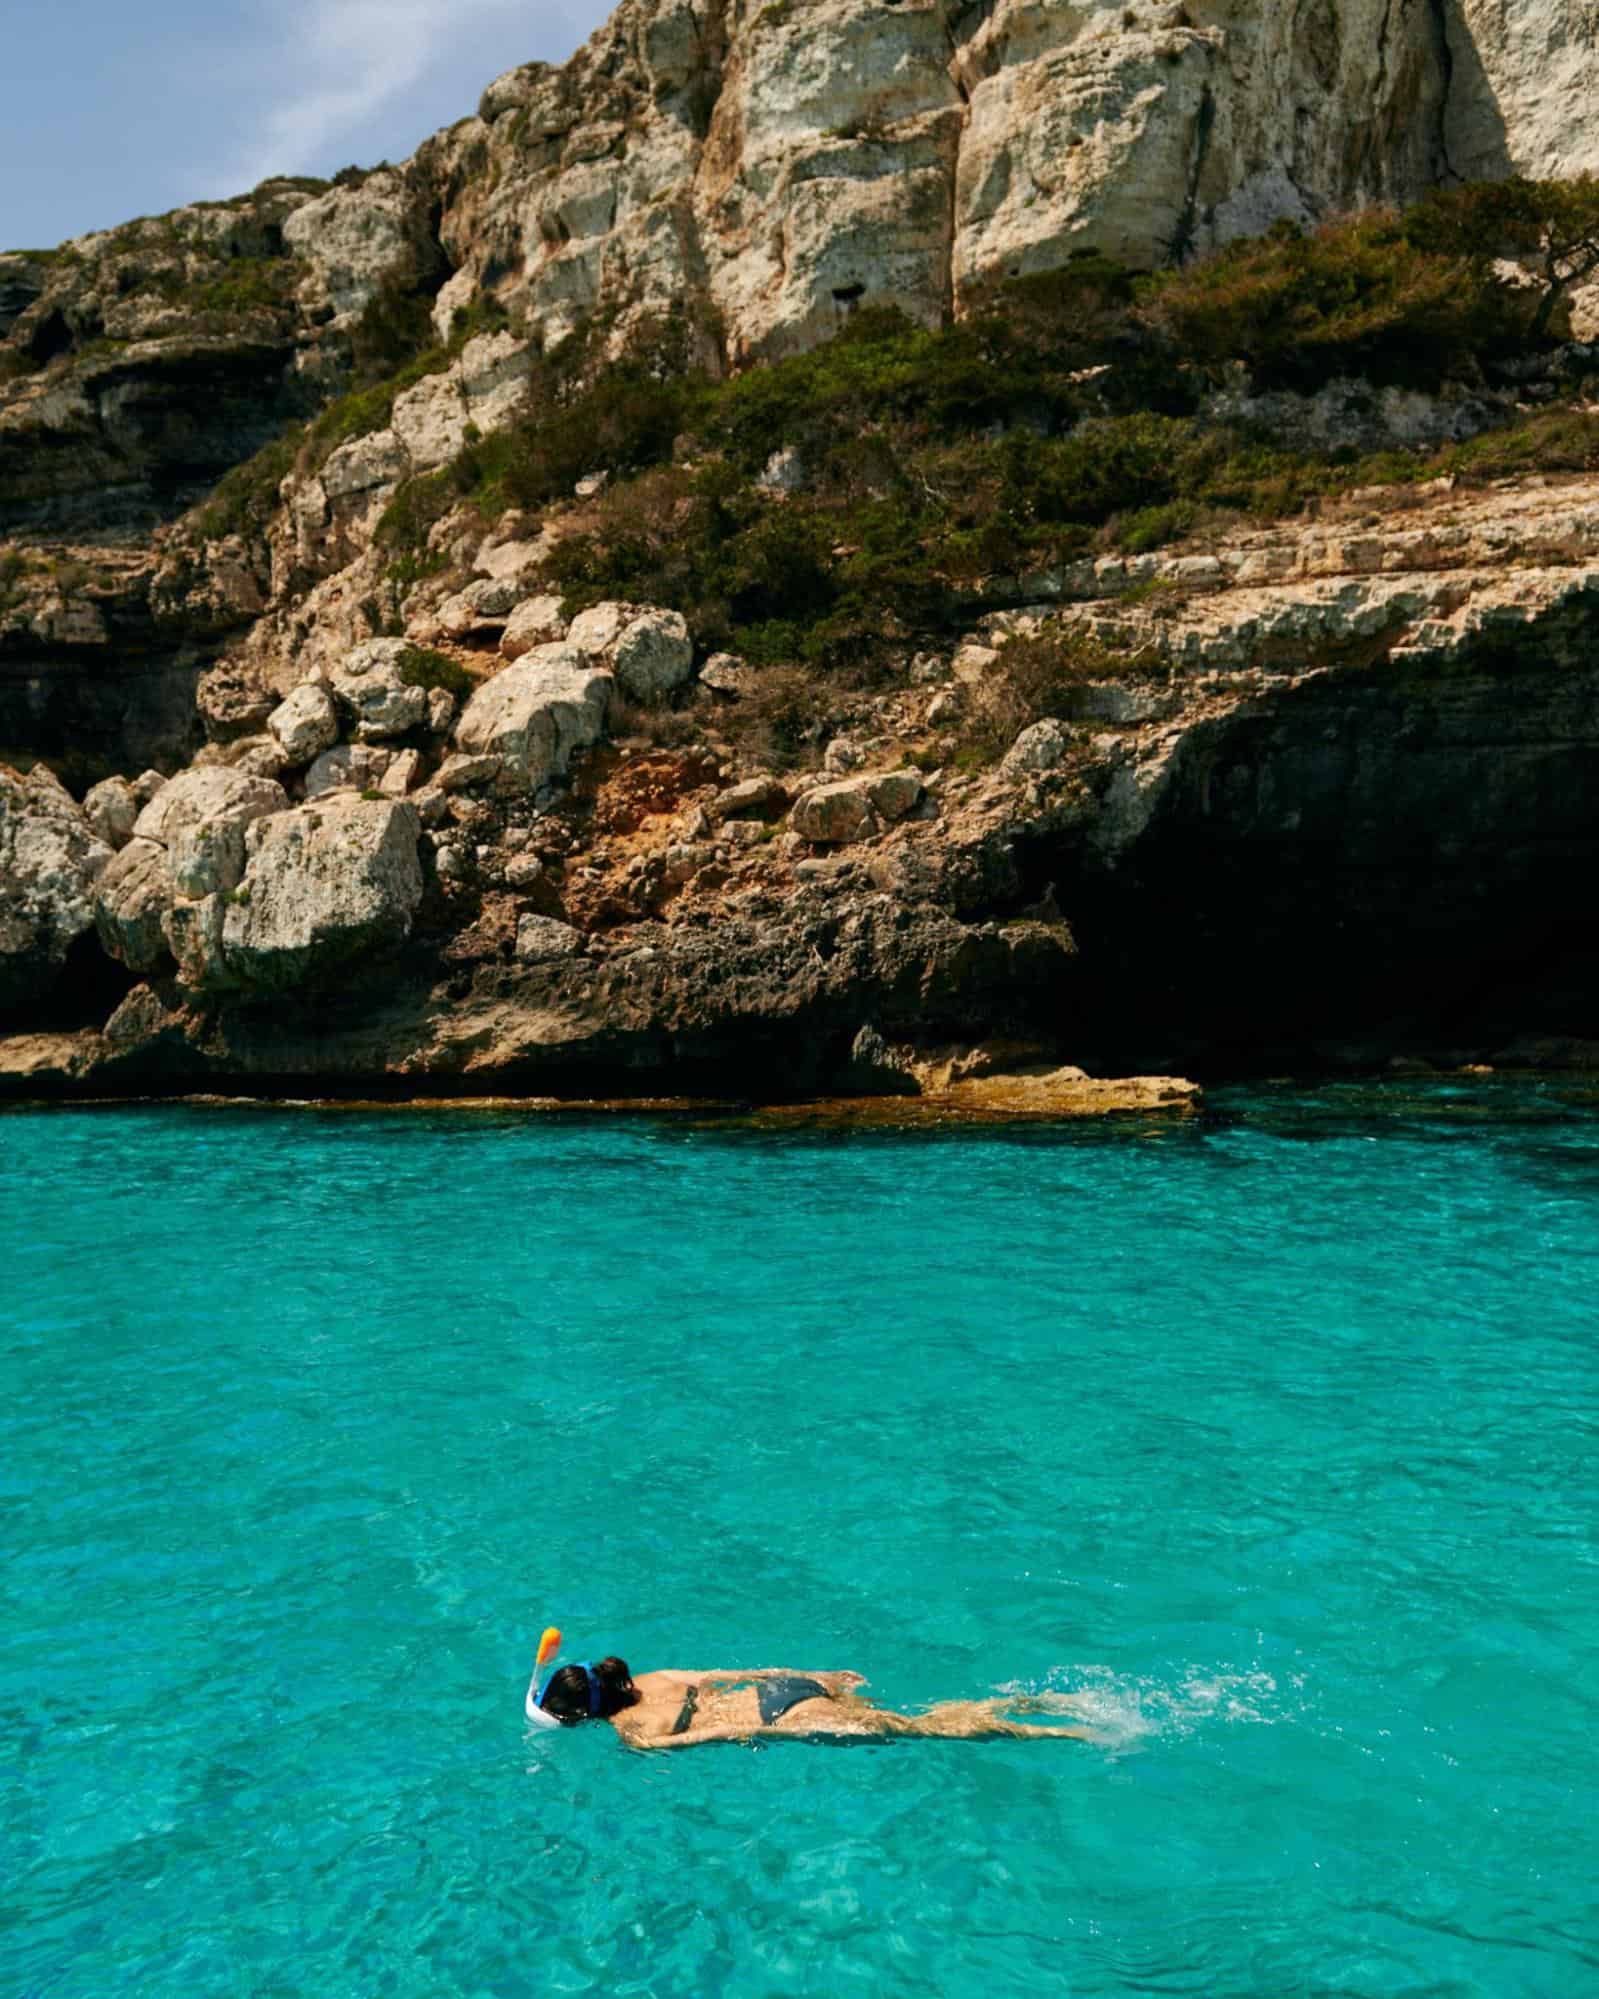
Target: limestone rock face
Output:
{"points": [[50, 859], [1524, 80], [803, 159], [356, 237], [538, 713], [327, 884]]}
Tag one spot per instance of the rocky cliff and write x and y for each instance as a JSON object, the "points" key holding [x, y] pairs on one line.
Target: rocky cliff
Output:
{"points": [[315, 802]]}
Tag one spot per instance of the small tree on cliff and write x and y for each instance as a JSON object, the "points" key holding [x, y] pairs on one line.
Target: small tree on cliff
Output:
{"points": [[1551, 227]]}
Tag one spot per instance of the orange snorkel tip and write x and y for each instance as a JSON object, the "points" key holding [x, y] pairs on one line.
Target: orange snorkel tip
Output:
{"points": [[549, 1645]]}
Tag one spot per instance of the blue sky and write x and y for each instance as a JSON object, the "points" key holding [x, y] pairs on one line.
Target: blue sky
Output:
{"points": [[115, 109]]}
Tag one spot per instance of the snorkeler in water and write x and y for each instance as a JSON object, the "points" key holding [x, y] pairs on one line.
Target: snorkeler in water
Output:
{"points": [[673, 1709]]}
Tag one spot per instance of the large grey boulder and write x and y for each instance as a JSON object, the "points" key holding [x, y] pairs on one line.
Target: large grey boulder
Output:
{"points": [[649, 651], [50, 859], [199, 818], [371, 684], [327, 886], [538, 713]]}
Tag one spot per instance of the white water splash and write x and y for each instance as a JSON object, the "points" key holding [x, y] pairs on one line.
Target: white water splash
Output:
{"points": [[1126, 1710]]}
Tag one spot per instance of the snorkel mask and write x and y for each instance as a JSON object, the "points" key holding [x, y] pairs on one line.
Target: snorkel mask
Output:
{"points": [[533, 1706]]}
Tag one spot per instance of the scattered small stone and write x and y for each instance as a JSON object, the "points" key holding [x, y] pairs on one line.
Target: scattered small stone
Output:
{"points": [[756, 798], [545, 937], [350, 767], [726, 673], [465, 773], [1040, 748], [842, 754]]}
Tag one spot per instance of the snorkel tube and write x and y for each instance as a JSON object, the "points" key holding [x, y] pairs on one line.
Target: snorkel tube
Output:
{"points": [[549, 1645]]}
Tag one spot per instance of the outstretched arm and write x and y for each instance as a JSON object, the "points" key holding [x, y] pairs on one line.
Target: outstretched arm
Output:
{"points": [[691, 1738]]}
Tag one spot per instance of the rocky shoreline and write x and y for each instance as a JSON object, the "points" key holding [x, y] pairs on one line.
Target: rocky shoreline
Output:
{"points": [[528, 908]]}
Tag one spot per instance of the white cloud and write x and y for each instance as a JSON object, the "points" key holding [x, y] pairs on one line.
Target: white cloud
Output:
{"points": [[339, 63]]}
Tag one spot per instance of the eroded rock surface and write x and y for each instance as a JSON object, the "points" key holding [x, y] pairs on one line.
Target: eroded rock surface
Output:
{"points": [[50, 860]]}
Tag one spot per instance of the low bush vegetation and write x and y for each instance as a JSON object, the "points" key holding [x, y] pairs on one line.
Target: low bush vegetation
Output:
{"points": [[822, 513], [421, 666]]}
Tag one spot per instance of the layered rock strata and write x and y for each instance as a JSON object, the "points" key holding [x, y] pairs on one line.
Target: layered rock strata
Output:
{"points": [[1337, 798]]}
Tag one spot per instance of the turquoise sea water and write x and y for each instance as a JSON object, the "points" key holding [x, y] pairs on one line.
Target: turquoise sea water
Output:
{"points": [[1272, 1433]]}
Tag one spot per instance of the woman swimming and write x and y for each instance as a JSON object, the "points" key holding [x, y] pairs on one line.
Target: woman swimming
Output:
{"points": [[681, 1710]]}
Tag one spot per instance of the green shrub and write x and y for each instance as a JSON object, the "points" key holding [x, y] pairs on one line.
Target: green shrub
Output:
{"points": [[421, 666], [246, 497], [1355, 297], [1041, 678], [1552, 225]]}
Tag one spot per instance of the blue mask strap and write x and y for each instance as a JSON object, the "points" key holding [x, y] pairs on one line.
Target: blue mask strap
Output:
{"points": [[596, 1698]]}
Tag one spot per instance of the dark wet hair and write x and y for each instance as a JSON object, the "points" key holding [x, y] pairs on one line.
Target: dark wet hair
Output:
{"points": [[567, 1695]]}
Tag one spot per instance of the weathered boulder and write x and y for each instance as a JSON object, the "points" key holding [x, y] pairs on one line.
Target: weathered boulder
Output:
{"points": [[538, 622], [111, 807], [467, 773], [327, 885], [50, 860], [854, 808], [725, 673], [233, 701], [649, 651], [132, 897], [538, 713], [306, 723], [199, 819], [370, 682]]}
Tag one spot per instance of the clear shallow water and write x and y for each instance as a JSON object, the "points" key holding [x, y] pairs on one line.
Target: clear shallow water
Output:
{"points": [[1274, 1434]]}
